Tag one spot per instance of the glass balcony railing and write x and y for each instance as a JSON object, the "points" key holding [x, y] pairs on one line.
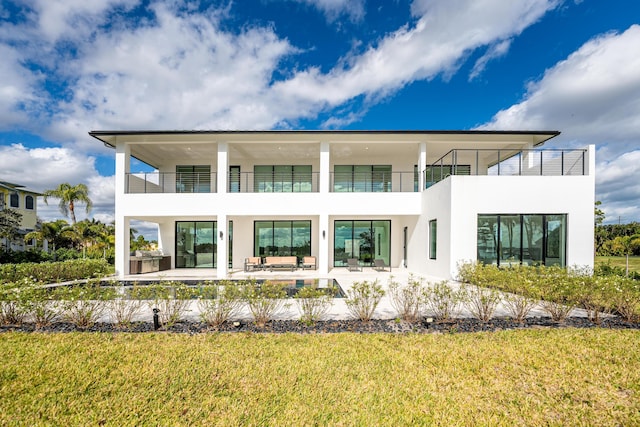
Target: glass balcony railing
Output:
{"points": [[170, 182], [506, 162]]}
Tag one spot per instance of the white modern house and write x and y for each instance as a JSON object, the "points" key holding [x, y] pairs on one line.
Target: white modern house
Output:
{"points": [[420, 200]]}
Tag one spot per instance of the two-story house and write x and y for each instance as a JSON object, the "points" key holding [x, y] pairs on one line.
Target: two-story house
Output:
{"points": [[25, 202], [422, 200]]}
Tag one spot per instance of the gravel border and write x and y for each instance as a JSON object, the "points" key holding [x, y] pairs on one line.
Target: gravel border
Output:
{"points": [[393, 326]]}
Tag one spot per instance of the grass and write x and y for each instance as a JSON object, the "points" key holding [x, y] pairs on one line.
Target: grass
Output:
{"points": [[532, 377], [620, 261]]}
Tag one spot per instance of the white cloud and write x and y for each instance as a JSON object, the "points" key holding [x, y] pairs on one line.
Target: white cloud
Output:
{"points": [[593, 97], [41, 169], [17, 88], [333, 9], [73, 18], [181, 70], [495, 51]]}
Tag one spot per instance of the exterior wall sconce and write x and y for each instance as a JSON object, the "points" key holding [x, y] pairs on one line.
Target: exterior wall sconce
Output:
{"points": [[324, 234], [221, 235]]}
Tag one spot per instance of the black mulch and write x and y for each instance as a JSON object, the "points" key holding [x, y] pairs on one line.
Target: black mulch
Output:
{"points": [[336, 326]]}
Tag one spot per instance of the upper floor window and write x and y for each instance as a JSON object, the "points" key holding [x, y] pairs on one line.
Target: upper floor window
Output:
{"points": [[193, 179], [362, 178], [1, 201], [14, 200], [282, 178], [28, 202]]}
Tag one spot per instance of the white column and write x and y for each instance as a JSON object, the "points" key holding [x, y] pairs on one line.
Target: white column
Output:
{"points": [[223, 167], [323, 247], [123, 158], [223, 244], [422, 164], [325, 170]]}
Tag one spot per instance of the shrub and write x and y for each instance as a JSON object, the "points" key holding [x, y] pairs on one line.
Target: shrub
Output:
{"points": [[171, 298], [481, 302], [84, 305], [43, 304], [219, 302], [363, 298], [407, 300], [14, 305], [313, 303], [264, 300], [442, 301], [558, 293], [55, 272], [626, 298], [122, 308]]}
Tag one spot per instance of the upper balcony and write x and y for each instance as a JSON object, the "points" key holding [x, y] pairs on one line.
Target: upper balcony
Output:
{"points": [[508, 162]]}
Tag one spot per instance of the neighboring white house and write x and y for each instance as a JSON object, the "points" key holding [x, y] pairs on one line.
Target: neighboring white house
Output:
{"points": [[25, 202], [422, 200]]}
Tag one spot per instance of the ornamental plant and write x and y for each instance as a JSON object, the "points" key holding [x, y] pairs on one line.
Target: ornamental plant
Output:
{"points": [[407, 299], [363, 298], [264, 300], [84, 305], [481, 302], [218, 302], [14, 304], [442, 301], [313, 303], [171, 298], [123, 307]]}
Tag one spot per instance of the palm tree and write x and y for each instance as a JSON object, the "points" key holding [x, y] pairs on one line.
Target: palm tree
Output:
{"points": [[69, 195], [54, 232]]}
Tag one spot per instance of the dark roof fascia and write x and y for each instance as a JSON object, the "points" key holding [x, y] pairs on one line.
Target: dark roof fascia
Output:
{"points": [[102, 133]]}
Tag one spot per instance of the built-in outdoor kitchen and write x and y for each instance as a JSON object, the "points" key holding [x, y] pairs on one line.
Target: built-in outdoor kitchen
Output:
{"points": [[148, 262]]}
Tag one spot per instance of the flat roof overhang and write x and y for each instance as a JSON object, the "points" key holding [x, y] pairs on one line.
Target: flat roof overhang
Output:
{"points": [[151, 137]]}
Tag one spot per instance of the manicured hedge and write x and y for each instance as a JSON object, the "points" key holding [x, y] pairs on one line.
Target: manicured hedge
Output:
{"points": [[569, 286], [54, 272]]}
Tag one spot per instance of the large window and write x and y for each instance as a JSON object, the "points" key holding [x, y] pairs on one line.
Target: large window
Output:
{"points": [[193, 179], [433, 238], [282, 238], [28, 202], [364, 240], [14, 200], [530, 239], [196, 244], [282, 179], [362, 178]]}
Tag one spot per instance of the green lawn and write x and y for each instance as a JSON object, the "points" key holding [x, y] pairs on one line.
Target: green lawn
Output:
{"points": [[528, 377], [620, 261]]}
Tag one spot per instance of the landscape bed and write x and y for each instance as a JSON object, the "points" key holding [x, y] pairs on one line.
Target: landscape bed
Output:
{"points": [[542, 377], [392, 326]]}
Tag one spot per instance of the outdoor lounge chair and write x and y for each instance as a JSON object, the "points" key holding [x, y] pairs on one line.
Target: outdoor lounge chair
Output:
{"points": [[352, 264], [252, 263], [309, 262], [379, 265]]}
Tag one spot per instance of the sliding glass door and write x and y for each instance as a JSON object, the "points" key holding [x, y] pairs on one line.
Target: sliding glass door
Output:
{"points": [[364, 240], [196, 244]]}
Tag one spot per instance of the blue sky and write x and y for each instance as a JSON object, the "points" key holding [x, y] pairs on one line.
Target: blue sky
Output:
{"points": [[72, 66]]}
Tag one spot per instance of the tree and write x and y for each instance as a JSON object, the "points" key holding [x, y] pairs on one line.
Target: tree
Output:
{"points": [[70, 195], [55, 232], [626, 245], [10, 221]]}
